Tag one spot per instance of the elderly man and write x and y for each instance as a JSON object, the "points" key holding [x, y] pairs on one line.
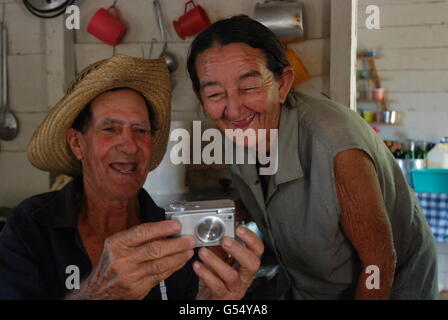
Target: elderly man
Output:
{"points": [[108, 132]]}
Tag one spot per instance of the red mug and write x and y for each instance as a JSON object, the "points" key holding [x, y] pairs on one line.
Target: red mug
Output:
{"points": [[192, 21], [107, 27]]}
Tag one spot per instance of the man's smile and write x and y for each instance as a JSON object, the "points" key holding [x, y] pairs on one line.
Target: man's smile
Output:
{"points": [[124, 167]]}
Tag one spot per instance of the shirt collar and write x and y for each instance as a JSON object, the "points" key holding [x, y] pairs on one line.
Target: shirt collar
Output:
{"points": [[289, 165], [62, 211]]}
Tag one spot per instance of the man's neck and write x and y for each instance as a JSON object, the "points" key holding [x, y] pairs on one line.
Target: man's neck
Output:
{"points": [[108, 216]]}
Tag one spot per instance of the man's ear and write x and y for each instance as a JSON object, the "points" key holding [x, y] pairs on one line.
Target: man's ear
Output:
{"points": [[73, 140], [285, 83]]}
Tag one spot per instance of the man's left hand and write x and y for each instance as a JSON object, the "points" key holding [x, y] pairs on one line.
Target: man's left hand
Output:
{"points": [[227, 280]]}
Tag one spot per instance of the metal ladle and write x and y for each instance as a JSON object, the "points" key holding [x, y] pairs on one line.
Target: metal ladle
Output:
{"points": [[9, 126], [170, 59]]}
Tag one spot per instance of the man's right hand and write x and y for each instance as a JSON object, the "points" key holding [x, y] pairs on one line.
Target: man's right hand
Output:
{"points": [[136, 260]]}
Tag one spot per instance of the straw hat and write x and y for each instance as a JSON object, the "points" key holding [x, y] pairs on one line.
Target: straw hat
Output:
{"points": [[48, 149]]}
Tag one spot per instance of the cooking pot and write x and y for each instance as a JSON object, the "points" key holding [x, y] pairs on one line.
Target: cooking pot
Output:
{"points": [[284, 18], [387, 116]]}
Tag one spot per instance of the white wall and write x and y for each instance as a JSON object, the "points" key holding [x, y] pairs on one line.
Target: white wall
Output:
{"points": [[139, 16], [413, 41], [27, 99]]}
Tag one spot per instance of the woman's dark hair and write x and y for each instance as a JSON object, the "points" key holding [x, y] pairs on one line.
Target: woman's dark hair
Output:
{"points": [[238, 29], [84, 118]]}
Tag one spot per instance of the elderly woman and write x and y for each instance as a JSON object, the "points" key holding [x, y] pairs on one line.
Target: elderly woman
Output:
{"points": [[109, 131], [338, 215]]}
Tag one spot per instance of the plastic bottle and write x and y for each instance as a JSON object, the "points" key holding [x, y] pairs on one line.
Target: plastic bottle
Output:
{"points": [[438, 156]]}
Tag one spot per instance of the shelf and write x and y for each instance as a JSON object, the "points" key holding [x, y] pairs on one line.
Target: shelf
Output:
{"points": [[366, 100], [370, 79], [372, 100], [367, 58]]}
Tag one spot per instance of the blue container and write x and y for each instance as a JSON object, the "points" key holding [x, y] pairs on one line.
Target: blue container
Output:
{"points": [[430, 180]]}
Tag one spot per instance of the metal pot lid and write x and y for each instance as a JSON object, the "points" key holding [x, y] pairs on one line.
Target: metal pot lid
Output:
{"points": [[47, 5]]}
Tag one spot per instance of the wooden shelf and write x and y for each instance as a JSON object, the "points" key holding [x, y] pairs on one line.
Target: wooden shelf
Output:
{"points": [[367, 58], [370, 79], [374, 101], [366, 100]]}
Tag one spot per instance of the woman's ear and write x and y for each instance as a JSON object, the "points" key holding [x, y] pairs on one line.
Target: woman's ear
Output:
{"points": [[73, 140], [285, 83]]}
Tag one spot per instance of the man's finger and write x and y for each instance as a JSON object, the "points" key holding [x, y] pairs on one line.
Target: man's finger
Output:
{"points": [[148, 231], [164, 247], [160, 267]]}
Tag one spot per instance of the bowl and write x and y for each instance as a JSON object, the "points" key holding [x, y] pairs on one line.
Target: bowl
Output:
{"points": [[369, 116], [430, 180]]}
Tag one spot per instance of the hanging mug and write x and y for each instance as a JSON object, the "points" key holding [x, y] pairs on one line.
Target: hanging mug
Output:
{"points": [[192, 21], [106, 26]]}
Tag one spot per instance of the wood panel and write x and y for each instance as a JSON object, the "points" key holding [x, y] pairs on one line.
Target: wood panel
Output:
{"points": [[413, 59], [315, 55], [343, 52], [411, 14], [404, 37], [412, 101], [415, 81]]}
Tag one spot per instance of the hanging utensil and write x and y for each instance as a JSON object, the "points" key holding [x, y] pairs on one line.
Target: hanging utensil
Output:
{"points": [[9, 127], [283, 17], [170, 59], [47, 9]]}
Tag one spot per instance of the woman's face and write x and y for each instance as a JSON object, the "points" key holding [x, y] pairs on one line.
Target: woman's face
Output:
{"points": [[238, 91]]}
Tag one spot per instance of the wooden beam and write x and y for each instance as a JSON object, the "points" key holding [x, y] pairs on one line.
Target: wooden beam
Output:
{"points": [[60, 58], [343, 52], [61, 65]]}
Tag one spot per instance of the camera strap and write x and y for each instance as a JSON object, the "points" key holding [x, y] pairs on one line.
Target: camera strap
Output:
{"points": [[163, 290]]}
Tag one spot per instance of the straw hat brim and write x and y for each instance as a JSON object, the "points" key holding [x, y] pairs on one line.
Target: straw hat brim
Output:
{"points": [[48, 149]]}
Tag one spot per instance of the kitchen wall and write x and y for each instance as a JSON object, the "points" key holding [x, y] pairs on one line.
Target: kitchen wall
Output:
{"points": [[28, 71], [413, 43], [27, 99], [143, 29]]}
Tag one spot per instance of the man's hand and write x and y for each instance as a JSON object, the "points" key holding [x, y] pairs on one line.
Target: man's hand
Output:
{"points": [[220, 279], [136, 260]]}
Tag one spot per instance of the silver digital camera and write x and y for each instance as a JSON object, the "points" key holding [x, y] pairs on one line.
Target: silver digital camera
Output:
{"points": [[208, 221]]}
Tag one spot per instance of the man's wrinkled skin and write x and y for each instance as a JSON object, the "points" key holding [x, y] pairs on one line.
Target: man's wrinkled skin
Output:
{"points": [[129, 258]]}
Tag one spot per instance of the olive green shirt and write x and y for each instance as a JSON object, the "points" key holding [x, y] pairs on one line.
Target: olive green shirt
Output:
{"points": [[300, 215]]}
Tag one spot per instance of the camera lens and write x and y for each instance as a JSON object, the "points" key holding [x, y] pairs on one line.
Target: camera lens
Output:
{"points": [[210, 229]]}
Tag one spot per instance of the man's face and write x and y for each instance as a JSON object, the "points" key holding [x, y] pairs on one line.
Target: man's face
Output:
{"points": [[115, 151], [237, 89]]}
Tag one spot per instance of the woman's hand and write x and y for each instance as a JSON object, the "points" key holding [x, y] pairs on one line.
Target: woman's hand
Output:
{"points": [[229, 279]]}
